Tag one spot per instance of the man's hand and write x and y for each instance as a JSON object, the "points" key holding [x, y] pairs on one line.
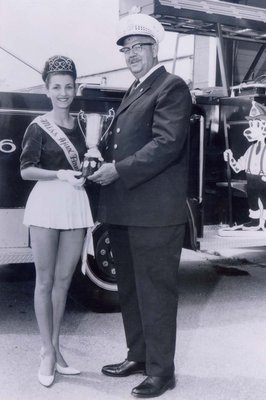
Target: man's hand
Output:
{"points": [[105, 175]]}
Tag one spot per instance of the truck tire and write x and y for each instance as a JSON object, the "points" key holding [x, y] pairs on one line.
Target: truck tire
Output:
{"points": [[97, 289]]}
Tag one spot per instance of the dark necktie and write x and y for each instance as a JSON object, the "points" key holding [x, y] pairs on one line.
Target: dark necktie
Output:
{"points": [[133, 87]]}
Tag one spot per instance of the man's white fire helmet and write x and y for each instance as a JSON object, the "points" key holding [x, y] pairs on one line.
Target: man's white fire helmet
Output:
{"points": [[139, 24]]}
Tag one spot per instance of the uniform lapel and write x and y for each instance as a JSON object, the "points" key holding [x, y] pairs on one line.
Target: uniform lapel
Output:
{"points": [[139, 91]]}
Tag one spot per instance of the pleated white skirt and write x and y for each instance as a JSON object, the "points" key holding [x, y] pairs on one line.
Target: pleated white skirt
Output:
{"points": [[58, 205]]}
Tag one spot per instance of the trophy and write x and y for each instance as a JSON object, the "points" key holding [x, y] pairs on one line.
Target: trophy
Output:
{"points": [[94, 128]]}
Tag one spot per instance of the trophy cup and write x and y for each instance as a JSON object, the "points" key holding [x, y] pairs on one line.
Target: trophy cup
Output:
{"points": [[94, 127]]}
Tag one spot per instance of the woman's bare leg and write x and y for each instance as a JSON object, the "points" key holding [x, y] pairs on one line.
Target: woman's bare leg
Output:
{"points": [[69, 252], [44, 244]]}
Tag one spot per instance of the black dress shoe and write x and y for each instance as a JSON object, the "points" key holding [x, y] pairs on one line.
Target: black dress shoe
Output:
{"points": [[124, 368], [154, 386]]}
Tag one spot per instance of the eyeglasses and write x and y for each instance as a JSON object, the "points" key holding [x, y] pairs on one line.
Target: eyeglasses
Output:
{"points": [[137, 48]]}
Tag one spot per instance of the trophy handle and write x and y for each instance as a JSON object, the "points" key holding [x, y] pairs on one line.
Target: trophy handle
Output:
{"points": [[81, 117], [111, 116]]}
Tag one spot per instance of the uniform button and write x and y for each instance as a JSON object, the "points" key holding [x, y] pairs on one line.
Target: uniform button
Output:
{"points": [[115, 146], [107, 147], [110, 133], [118, 130]]}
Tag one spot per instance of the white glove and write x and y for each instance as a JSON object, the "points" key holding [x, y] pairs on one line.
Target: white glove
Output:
{"points": [[94, 152], [227, 154], [73, 177]]}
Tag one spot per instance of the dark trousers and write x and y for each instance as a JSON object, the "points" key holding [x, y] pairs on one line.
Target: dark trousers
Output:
{"points": [[147, 261], [256, 189]]}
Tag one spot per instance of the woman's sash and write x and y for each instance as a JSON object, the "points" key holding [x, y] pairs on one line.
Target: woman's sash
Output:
{"points": [[61, 139]]}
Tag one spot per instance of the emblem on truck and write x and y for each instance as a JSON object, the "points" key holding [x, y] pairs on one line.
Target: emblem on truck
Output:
{"points": [[7, 146]]}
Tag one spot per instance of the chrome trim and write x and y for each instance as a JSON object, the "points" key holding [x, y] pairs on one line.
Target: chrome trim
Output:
{"points": [[193, 229], [11, 111], [201, 158]]}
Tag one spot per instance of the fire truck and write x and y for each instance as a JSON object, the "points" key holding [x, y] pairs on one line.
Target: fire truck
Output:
{"points": [[217, 196]]}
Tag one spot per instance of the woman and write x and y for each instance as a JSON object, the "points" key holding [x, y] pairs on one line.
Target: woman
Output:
{"points": [[57, 211]]}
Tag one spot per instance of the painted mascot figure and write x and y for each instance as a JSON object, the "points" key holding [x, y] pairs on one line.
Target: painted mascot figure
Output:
{"points": [[253, 162]]}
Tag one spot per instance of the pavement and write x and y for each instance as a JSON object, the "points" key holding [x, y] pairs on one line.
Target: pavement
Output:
{"points": [[221, 337]]}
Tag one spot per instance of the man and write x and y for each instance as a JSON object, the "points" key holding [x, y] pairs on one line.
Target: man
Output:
{"points": [[142, 199]]}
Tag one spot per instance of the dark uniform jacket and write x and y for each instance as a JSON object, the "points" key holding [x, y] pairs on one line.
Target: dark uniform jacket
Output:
{"points": [[148, 142]]}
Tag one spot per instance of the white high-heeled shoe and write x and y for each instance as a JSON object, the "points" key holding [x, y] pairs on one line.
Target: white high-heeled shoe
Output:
{"points": [[46, 380], [66, 370]]}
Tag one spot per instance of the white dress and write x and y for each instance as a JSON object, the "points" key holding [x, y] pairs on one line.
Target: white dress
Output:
{"points": [[58, 205], [53, 203]]}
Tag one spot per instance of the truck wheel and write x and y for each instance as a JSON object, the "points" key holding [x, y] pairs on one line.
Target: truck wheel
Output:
{"points": [[97, 289]]}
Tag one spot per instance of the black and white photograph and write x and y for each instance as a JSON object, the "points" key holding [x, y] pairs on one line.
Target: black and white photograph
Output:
{"points": [[132, 208]]}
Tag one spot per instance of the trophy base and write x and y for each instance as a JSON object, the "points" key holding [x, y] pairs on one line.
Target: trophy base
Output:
{"points": [[90, 165]]}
